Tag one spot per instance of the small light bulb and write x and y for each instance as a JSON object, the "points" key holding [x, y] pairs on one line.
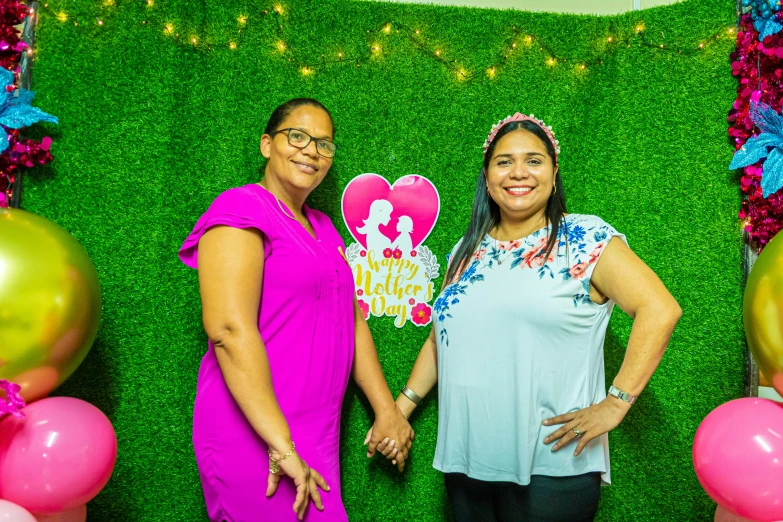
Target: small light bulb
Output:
{"points": [[232, 45], [491, 72], [701, 46], [582, 67], [340, 55], [418, 32], [193, 41], [387, 29], [639, 28], [100, 22], [529, 39], [437, 53], [609, 39], [661, 46], [514, 45], [731, 30], [281, 46], [61, 16], [169, 28], [150, 3], [279, 9], [242, 20]]}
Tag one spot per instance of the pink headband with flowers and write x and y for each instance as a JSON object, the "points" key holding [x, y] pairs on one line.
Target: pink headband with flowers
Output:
{"points": [[523, 117]]}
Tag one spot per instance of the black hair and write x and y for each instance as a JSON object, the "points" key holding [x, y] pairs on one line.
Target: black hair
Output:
{"points": [[283, 111], [486, 213]]}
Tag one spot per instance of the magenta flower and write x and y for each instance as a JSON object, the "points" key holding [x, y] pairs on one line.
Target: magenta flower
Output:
{"points": [[365, 308], [387, 253], [421, 314]]}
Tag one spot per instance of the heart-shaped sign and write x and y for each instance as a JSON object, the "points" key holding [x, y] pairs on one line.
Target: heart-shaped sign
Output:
{"points": [[380, 215]]}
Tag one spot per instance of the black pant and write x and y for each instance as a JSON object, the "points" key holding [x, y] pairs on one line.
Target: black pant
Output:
{"points": [[545, 499]]}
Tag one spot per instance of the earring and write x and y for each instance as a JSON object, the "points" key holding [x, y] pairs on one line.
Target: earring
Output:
{"points": [[554, 191]]}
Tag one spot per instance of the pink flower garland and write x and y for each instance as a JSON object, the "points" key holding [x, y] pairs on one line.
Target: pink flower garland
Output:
{"points": [[13, 402], [759, 68], [22, 153]]}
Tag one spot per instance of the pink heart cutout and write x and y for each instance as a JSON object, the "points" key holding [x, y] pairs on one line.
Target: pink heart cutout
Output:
{"points": [[369, 203]]}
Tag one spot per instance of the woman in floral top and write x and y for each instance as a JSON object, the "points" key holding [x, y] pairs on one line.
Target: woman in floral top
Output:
{"points": [[517, 342]]}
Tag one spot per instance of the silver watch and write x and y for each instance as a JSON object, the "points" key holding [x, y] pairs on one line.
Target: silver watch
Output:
{"points": [[620, 394]]}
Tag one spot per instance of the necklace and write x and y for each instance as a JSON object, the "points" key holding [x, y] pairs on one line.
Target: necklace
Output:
{"points": [[292, 216], [497, 243]]}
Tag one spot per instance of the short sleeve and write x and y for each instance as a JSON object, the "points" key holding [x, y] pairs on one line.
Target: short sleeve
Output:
{"points": [[598, 234], [238, 208]]}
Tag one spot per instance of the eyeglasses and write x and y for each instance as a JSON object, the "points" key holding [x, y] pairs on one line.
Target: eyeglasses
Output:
{"points": [[300, 139]]}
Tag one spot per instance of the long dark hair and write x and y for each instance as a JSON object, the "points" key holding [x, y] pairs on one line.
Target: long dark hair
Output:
{"points": [[282, 112], [486, 213]]}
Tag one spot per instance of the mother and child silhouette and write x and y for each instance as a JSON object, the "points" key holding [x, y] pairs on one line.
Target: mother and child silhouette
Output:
{"points": [[380, 214]]}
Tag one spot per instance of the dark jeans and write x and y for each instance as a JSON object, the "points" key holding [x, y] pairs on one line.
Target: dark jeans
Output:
{"points": [[545, 499]]}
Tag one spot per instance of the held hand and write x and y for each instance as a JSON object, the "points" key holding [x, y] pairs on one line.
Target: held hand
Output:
{"points": [[587, 423], [306, 479], [392, 436]]}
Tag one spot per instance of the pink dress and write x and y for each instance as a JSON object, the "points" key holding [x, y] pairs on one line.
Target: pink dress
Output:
{"points": [[307, 324]]}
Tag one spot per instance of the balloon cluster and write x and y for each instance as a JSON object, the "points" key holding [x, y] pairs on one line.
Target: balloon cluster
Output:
{"points": [[56, 454], [738, 449]]}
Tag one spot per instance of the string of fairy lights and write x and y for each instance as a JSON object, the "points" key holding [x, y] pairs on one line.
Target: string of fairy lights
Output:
{"points": [[518, 40]]}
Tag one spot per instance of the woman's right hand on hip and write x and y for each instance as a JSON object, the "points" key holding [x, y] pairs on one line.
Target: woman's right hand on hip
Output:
{"points": [[306, 479]]}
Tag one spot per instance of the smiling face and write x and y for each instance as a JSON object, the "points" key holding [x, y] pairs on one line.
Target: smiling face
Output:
{"points": [[298, 170], [521, 175]]}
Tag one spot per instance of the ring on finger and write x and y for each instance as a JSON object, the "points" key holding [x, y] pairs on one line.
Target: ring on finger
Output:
{"points": [[577, 432]]}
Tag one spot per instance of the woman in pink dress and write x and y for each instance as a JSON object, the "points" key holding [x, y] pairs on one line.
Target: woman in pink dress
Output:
{"points": [[284, 334]]}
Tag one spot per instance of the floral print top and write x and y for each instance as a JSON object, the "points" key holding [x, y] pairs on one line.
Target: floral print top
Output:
{"points": [[519, 340]]}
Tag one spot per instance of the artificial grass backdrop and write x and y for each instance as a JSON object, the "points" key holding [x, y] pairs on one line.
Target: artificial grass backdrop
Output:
{"points": [[152, 130]]}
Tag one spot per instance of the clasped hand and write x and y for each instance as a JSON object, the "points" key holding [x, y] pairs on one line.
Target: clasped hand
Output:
{"points": [[391, 435]]}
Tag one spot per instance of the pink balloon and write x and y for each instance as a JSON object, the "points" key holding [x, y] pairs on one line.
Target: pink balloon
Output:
{"points": [[78, 514], [10, 512], [738, 457], [58, 457], [721, 515]]}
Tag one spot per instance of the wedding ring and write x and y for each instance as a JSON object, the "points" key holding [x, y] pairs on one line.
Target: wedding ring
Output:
{"points": [[577, 432]]}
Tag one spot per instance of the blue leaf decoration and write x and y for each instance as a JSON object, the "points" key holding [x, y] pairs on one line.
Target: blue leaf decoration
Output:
{"points": [[753, 150], [768, 144], [767, 26], [3, 141], [22, 97], [766, 118], [18, 116], [6, 78], [772, 178]]}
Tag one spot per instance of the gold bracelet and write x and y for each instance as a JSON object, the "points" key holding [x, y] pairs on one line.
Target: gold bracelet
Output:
{"points": [[274, 464]]}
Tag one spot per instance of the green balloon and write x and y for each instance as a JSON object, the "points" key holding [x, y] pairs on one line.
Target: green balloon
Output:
{"points": [[50, 303], [763, 312]]}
